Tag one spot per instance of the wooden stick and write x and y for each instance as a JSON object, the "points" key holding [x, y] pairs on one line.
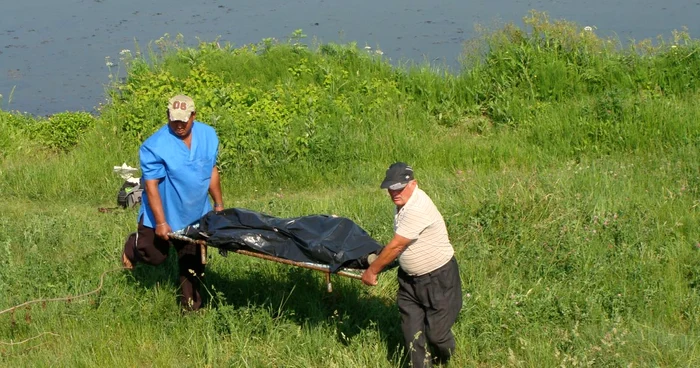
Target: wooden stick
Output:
{"points": [[329, 286], [312, 266], [203, 252]]}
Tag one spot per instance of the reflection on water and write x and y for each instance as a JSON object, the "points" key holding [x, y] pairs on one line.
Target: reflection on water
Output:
{"points": [[52, 53]]}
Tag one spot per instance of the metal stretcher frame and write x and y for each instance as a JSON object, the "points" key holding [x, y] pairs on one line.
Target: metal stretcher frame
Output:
{"points": [[345, 272]]}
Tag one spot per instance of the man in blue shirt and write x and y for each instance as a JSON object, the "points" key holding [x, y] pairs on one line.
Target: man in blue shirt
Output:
{"points": [[178, 163]]}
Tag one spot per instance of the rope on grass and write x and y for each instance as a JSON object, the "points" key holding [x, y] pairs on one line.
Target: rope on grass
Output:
{"points": [[65, 299], [12, 343]]}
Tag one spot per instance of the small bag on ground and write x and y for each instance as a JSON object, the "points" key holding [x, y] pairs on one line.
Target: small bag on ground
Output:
{"points": [[129, 194]]}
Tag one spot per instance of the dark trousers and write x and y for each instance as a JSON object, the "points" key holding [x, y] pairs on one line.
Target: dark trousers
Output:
{"points": [[144, 246], [429, 306]]}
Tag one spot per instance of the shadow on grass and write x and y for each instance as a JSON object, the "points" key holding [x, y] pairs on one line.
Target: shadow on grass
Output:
{"points": [[297, 293], [301, 296], [148, 276]]}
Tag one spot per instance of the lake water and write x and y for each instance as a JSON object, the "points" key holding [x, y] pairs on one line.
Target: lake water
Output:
{"points": [[52, 52]]}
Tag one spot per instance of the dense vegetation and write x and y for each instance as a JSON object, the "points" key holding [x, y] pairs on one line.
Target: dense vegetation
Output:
{"points": [[565, 165]]}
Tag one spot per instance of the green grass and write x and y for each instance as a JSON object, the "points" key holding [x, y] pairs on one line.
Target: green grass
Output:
{"points": [[565, 165]]}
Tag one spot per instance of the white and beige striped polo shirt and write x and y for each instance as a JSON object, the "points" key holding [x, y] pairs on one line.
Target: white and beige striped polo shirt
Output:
{"points": [[420, 221]]}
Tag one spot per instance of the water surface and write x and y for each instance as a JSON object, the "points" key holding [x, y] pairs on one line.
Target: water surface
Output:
{"points": [[52, 52]]}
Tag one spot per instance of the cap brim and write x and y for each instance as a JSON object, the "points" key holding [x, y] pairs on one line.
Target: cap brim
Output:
{"points": [[179, 115], [393, 185]]}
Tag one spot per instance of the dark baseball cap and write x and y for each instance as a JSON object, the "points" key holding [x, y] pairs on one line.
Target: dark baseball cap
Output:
{"points": [[397, 176]]}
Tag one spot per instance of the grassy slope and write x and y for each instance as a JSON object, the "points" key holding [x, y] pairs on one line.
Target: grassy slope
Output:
{"points": [[575, 231]]}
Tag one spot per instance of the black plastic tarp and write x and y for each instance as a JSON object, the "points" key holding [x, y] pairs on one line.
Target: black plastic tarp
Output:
{"points": [[334, 241]]}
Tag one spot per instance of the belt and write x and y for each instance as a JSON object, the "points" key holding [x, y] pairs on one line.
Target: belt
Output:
{"points": [[426, 276]]}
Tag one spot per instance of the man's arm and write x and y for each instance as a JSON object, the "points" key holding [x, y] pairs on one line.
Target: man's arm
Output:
{"points": [[392, 250], [156, 204], [215, 189]]}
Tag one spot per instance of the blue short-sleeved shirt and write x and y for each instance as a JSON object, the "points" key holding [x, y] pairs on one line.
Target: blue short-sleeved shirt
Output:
{"points": [[184, 174]]}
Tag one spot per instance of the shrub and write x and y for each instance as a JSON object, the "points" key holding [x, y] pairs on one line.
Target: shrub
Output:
{"points": [[10, 130], [61, 131]]}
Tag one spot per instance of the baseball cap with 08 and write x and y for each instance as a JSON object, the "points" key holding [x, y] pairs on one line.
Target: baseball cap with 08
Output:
{"points": [[398, 175], [180, 108]]}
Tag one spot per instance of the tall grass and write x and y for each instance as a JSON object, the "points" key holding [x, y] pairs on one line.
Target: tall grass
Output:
{"points": [[565, 165]]}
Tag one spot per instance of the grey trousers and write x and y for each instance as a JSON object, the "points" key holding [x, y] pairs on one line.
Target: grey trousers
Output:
{"points": [[429, 306]]}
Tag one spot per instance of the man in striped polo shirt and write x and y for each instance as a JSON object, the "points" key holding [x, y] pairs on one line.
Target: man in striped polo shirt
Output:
{"points": [[430, 291]]}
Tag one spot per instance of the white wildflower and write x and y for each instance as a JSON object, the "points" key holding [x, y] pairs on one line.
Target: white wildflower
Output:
{"points": [[588, 29], [124, 52], [368, 47], [379, 52], [109, 64], [673, 46]]}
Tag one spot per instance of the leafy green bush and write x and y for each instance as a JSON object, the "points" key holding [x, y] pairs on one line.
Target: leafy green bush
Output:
{"points": [[283, 113], [61, 131], [11, 125], [559, 60], [275, 103]]}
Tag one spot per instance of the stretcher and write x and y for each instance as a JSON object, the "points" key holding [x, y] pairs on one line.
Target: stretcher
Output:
{"points": [[354, 273], [328, 244]]}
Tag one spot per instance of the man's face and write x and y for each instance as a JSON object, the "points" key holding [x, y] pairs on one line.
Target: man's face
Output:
{"points": [[182, 129], [401, 196]]}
